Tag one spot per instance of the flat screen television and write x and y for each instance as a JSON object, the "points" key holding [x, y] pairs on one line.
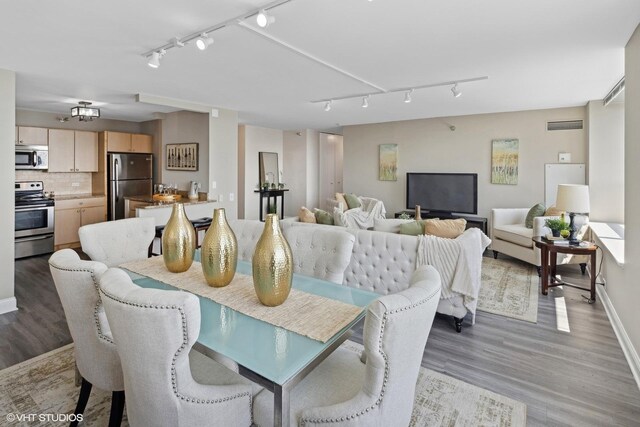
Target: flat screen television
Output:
{"points": [[443, 192]]}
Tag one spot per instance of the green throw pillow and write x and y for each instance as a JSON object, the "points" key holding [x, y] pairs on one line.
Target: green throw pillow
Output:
{"points": [[323, 217], [537, 210], [413, 228], [352, 201]]}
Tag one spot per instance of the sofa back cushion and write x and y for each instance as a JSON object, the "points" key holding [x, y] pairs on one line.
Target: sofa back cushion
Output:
{"points": [[381, 262], [537, 210], [389, 225]]}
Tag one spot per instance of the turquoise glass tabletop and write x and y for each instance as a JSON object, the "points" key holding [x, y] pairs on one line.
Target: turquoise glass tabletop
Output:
{"points": [[270, 351]]}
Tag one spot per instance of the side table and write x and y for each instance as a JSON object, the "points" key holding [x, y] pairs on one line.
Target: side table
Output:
{"points": [[549, 257]]}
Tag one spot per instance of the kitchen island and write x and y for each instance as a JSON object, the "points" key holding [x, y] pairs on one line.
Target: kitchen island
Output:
{"points": [[145, 207]]}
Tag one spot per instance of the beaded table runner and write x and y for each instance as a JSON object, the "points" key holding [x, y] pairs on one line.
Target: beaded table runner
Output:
{"points": [[306, 314]]}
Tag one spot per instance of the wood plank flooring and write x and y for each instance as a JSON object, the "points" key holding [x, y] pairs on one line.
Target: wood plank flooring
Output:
{"points": [[576, 378]]}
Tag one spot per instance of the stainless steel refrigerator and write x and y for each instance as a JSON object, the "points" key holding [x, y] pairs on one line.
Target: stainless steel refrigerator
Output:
{"points": [[128, 175]]}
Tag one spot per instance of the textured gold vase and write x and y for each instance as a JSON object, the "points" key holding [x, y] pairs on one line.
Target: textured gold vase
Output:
{"points": [[178, 241], [219, 252], [272, 264]]}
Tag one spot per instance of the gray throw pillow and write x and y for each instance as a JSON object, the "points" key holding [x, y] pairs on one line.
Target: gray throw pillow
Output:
{"points": [[537, 210], [413, 228], [323, 217], [352, 201]]}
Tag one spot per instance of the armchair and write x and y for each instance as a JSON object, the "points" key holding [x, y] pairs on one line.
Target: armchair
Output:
{"points": [[509, 236], [361, 217]]}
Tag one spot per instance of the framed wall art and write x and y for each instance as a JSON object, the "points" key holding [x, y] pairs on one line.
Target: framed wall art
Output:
{"points": [[182, 157], [388, 167], [504, 161]]}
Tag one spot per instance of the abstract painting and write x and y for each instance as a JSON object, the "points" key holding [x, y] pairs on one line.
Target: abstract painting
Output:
{"points": [[388, 162], [504, 161]]}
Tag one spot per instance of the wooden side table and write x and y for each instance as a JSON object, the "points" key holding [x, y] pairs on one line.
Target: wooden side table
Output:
{"points": [[271, 194], [549, 257]]}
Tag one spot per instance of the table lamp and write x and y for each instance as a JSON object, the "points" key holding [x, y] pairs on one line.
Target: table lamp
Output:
{"points": [[573, 199]]}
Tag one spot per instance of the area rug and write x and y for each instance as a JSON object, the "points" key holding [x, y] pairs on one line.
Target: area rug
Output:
{"points": [[45, 385], [509, 288]]}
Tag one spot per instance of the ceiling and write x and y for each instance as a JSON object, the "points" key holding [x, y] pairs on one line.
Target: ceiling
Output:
{"points": [[537, 54]]}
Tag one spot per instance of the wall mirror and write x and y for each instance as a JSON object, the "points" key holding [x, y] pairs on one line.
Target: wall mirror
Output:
{"points": [[268, 168]]}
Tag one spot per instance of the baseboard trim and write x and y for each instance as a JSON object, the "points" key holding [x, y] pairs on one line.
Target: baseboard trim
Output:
{"points": [[627, 348], [8, 305]]}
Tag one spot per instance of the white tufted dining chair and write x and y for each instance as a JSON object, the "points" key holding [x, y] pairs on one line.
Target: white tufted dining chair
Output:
{"points": [[96, 356], [117, 242], [320, 252], [247, 232], [379, 390], [155, 330]]}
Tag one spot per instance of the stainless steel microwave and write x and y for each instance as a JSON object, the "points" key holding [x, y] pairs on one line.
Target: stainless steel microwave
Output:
{"points": [[32, 157]]}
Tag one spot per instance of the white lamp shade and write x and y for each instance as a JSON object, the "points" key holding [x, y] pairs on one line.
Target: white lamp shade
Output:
{"points": [[573, 198]]}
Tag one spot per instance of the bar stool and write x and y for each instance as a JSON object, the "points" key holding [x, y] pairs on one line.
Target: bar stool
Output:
{"points": [[200, 224]]}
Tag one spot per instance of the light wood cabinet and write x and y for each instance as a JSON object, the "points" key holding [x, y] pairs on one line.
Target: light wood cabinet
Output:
{"points": [[120, 142], [26, 135], [72, 214], [73, 151]]}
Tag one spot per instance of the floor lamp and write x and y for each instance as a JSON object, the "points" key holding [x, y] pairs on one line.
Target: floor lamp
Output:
{"points": [[573, 199]]}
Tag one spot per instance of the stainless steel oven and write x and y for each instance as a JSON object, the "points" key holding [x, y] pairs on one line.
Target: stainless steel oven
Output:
{"points": [[34, 220], [32, 157]]}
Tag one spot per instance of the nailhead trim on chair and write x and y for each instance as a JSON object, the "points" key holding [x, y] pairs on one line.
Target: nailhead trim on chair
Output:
{"points": [[96, 309], [386, 370], [175, 356]]}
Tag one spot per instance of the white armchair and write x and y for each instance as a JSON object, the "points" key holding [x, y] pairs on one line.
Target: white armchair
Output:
{"points": [[509, 236], [362, 217], [377, 388]]}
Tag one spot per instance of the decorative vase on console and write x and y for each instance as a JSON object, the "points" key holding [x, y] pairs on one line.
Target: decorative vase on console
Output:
{"points": [[272, 264], [418, 214], [178, 241], [219, 253]]}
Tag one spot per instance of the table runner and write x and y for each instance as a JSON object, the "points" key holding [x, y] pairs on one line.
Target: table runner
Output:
{"points": [[314, 316]]}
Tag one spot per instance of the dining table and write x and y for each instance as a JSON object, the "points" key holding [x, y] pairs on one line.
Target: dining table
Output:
{"points": [[269, 355]]}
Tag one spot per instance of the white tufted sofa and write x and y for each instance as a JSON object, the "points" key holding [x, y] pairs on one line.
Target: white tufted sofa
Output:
{"points": [[384, 262]]}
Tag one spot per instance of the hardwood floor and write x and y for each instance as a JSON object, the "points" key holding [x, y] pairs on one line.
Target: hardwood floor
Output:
{"points": [[571, 378]]}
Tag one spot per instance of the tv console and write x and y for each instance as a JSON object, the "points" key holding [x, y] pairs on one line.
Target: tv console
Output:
{"points": [[472, 221]]}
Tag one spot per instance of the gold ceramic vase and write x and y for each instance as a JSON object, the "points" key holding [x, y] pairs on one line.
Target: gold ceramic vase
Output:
{"points": [[219, 252], [272, 264], [178, 241]]}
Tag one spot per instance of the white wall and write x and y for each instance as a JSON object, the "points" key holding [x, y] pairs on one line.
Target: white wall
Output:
{"points": [[257, 139], [179, 128], [7, 171], [606, 161], [223, 160], [300, 150], [428, 145]]}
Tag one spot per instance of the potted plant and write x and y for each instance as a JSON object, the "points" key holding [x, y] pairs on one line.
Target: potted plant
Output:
{"points": [[556, 225]]}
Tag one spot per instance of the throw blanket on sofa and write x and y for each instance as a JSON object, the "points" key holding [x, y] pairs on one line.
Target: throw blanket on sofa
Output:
{"points": [[362, 217], [459, 262]]}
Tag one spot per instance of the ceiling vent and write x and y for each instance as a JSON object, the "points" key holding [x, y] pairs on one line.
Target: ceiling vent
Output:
{"points": [[565, 125], [617, 89]]}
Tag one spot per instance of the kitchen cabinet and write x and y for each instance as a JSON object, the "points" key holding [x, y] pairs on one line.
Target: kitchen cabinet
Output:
{"points": [[26, 135], [72, 214], [120, 142], [73, 151]]}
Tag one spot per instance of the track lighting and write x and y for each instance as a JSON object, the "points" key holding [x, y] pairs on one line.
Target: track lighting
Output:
{"points": [[264, 20], [407, 96], [154, 59], [456, 92], [365, 101], [327, 105], [204, 41]]}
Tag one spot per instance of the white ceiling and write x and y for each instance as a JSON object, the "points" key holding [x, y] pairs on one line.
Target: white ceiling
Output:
{"points": [[537, 54]]}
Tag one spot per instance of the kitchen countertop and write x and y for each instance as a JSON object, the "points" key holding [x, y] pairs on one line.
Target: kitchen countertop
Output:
{"points": [[77, 196], [156, 204]]}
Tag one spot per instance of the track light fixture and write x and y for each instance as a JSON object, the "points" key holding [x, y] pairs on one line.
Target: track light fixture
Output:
{"points": [[456, 92], [204, 41], [263, 19], [154, 59], [327, 105], [407, 96], [365, 101]]}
